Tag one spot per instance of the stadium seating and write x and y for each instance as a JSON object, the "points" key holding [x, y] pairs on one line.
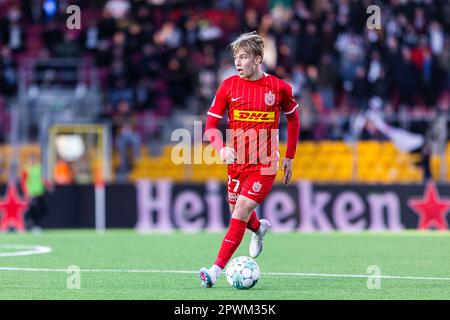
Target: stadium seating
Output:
{"points": [[325, 161]]}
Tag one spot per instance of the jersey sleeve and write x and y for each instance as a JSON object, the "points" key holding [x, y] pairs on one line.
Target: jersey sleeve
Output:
{"points": [[220, 102], [288, 104]]}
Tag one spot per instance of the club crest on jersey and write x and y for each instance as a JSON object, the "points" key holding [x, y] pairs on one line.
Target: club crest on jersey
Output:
{"points": [[257, 186], [269, 98]]}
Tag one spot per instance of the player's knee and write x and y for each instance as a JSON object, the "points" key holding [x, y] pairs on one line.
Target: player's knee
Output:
{"points": [[241, 214], [243, 209]]}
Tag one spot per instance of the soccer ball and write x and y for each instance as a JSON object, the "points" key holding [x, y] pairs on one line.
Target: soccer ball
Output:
{"points": [[242, 273]]}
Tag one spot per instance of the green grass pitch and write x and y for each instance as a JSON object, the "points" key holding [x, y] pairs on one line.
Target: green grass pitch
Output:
{"points": [[122, 264]]}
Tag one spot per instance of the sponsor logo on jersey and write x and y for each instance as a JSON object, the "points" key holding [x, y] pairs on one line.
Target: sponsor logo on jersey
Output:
{"points": [[232, 197], [254, 116]]}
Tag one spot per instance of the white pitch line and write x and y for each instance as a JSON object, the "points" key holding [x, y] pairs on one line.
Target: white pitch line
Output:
{"points": [[293, 274], [354, 276], [29, 250]]}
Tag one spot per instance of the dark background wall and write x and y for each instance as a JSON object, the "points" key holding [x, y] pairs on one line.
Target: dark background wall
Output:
{"points": [[301, 206]]}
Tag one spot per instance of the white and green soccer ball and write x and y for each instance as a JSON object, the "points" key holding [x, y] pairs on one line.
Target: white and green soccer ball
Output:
{"points": [[242, 272]]}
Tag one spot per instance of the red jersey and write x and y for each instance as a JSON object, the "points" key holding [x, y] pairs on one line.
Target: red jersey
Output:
{"points": [[253, 110]]}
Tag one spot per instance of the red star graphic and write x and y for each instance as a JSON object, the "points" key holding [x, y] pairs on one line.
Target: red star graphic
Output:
{"points": [[431, 208], [12, 207]]}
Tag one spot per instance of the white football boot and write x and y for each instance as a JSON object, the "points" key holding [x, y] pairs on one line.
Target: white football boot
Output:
{"points": [[256, 244], [209, 276]]}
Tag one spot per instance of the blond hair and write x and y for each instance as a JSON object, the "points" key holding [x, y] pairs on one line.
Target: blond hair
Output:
{"points": [[250, 42]]}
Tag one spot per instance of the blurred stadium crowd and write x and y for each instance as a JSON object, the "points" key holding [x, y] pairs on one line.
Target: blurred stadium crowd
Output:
{"points": [[157, 58]]}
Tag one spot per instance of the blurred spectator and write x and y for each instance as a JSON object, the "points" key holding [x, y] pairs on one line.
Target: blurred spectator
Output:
{"points": [[380, 87], [149, 64], [375, 67], [13, 33], [425, 161], [430, 78], [33, 9], [117, 8], [144, 99], [106, 25], [35, 187], [158, 55], [8, 73], [308, 117], [126, 136], [169, 35], [405, 75], [360, 90], [327, 80], [5, 120], [91, 37], [298, 80], [436, 35], [444, 62], [179, 80], [289, 48], [82, 169], [270, 43], [227, 69], [52, 36], [328, 37], [63, 173], [251, 20], [351, 52], [69, 48], [370, 132], [135, 38], [419, 20], [190, 31], [208, 32], [120, 91], [309, 44], [207, 80]]}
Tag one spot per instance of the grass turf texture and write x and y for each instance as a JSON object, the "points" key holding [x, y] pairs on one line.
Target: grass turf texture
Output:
{"points": [[414, 254]]}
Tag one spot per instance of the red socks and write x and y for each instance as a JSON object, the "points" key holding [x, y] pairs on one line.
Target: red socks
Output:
{"points": [[231, 242], [234, 236], [253, 222]]}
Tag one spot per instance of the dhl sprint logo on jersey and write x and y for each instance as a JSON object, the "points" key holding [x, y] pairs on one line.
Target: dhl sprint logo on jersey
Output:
{"points": [[254, 116]]}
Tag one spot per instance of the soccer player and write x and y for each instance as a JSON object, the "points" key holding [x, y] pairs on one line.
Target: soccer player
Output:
{"points": [[253, 101]]}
